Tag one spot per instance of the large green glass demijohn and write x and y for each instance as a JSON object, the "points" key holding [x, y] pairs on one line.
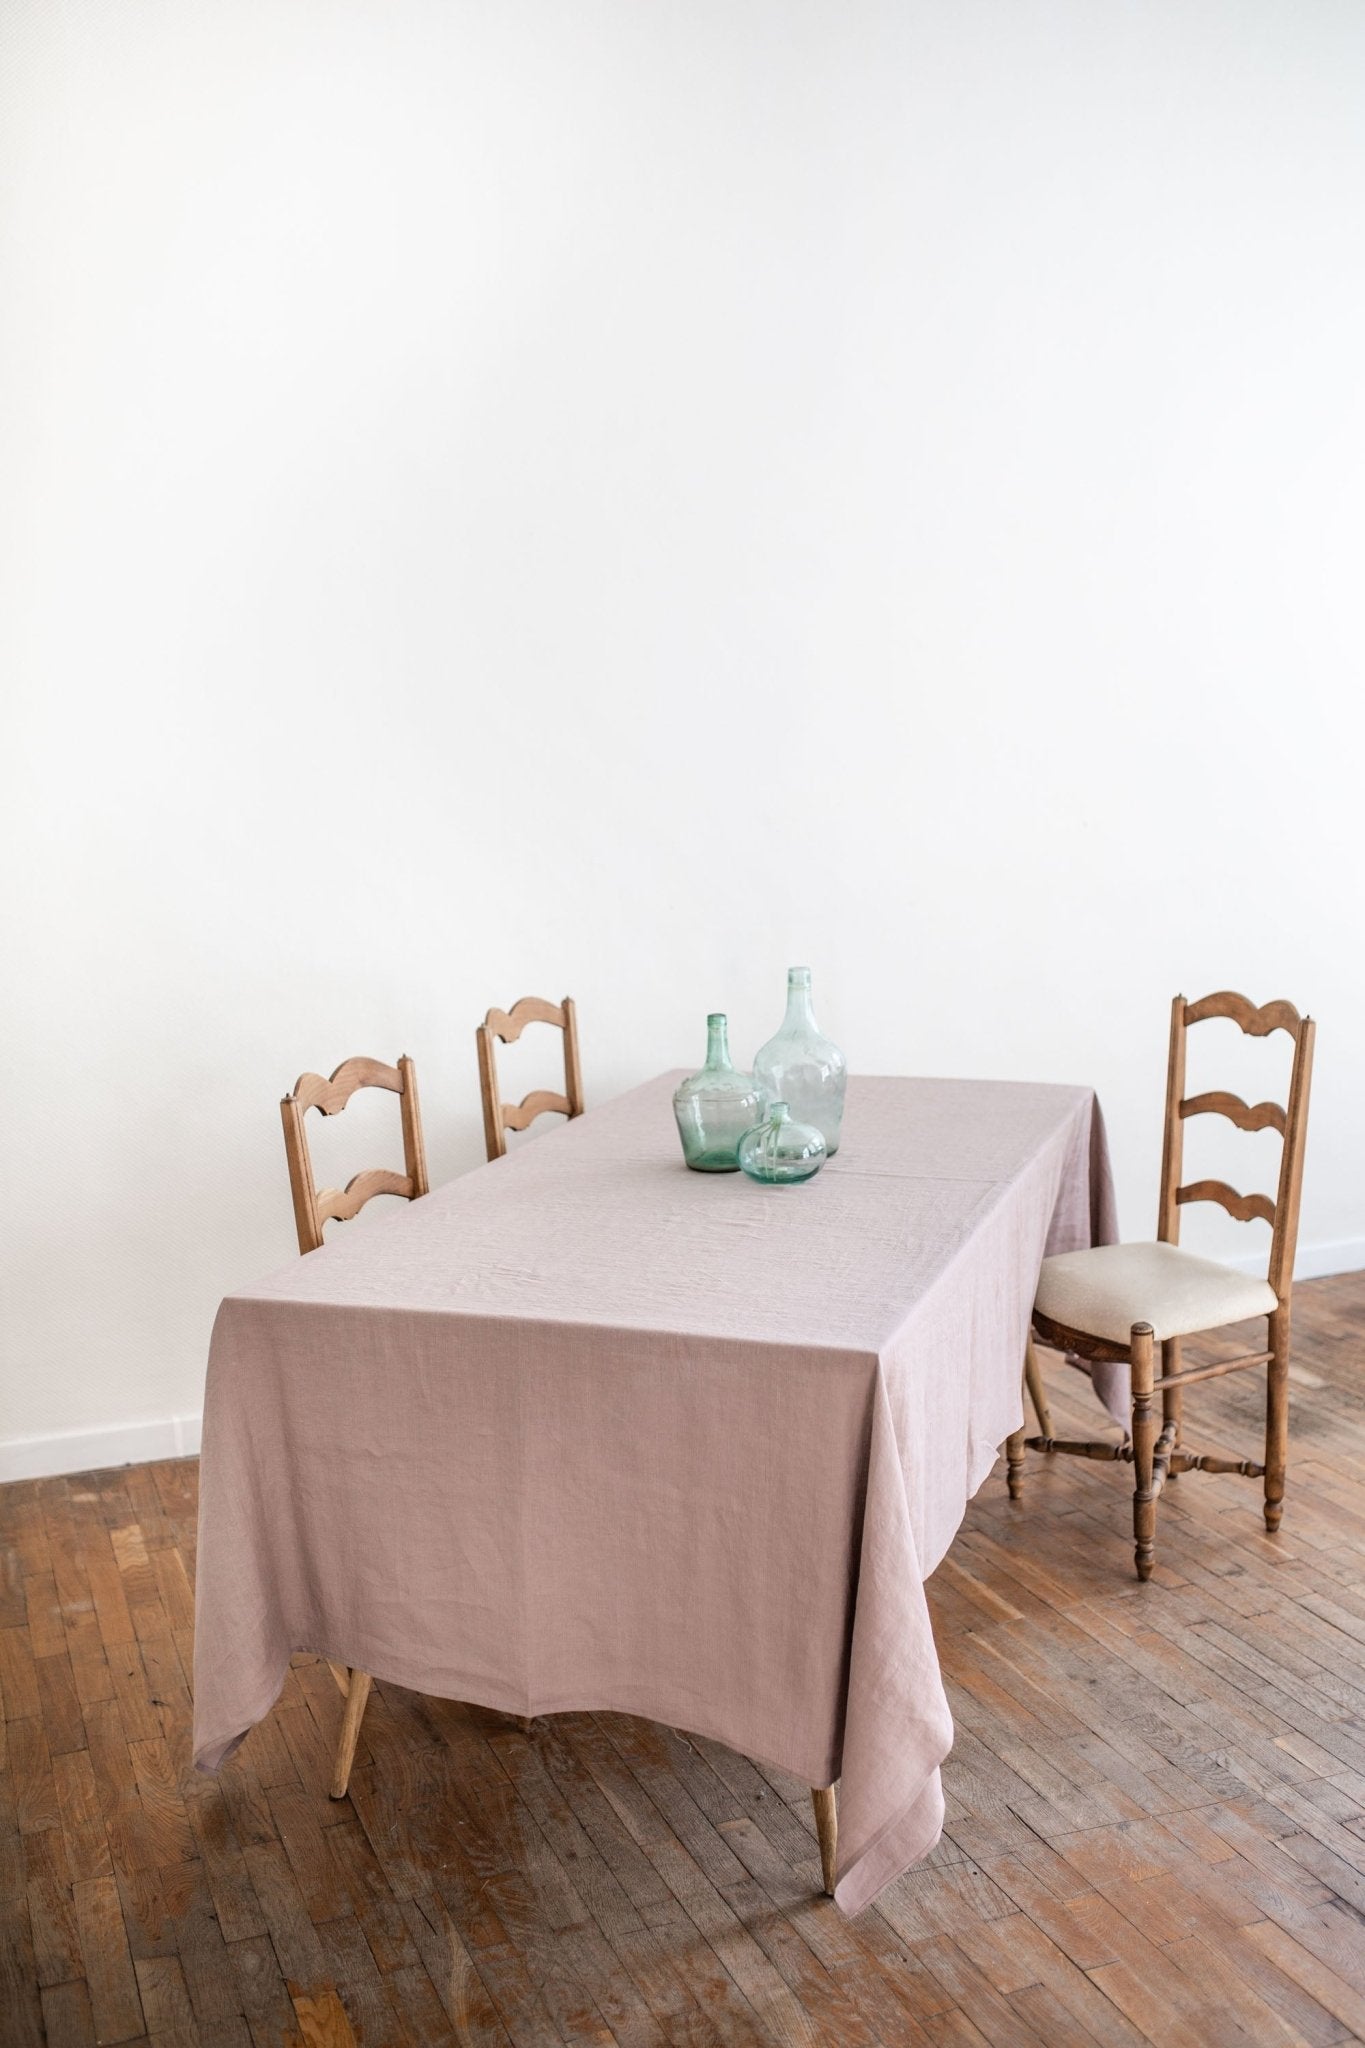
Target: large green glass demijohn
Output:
{"points": [[717, 1106], [803, 1068]]}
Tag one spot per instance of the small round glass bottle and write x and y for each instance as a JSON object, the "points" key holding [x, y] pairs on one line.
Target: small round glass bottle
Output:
{"points": [[716, 1107], [780, 1152]]}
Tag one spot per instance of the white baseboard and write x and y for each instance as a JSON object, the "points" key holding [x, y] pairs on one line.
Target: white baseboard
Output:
{"points": [[93, 1450], [177, 1436], [1312, 1261]]}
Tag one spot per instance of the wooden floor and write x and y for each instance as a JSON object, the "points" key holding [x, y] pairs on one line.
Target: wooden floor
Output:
{"points": [[1156, 1804]]}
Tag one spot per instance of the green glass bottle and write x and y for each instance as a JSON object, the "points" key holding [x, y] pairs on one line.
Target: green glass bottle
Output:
{"points": [[803, 1068], [716, 1107], [780, 1152]]}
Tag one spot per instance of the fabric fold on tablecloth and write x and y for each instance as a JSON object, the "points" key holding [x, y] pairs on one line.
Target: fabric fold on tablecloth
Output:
{"points": [[891, 1800]]}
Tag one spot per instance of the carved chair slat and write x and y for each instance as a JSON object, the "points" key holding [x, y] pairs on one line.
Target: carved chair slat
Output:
{"points": [[519, 1116], [1260, 1116], [331, 1095], [508, 1025], [1258, 1021], [1243, 1207], [339, 1204]]}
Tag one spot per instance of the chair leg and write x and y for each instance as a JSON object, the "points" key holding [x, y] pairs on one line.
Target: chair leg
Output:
{"points": [[826, 1804], [1033, 1380], [1015, 1445], [1276, 1419], [1172, 1398], [1014, 1462], [1144, 1446], [357, 1693]]}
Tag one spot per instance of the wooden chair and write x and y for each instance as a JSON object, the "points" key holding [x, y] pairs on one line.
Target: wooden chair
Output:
{"points": [[501, 1117], [1118, 1302], [312, 1208]]}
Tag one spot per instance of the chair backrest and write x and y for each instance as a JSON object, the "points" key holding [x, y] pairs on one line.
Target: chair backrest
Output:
{"points": [[313, 1206], [1281, 1213], [501, 1117]]}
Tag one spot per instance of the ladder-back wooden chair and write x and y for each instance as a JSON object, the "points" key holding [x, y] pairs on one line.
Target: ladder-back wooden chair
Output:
{"points": [[312, 1208], [500, 1117], [1119, 1302]]}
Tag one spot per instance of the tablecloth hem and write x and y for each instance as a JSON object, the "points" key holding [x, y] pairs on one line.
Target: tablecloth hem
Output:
{"points": [[897, 1844], [210, 1757]]}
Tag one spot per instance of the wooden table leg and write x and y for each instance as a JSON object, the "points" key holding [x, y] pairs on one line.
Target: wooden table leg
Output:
{"points": [[827, 1827], [357, 1693]]}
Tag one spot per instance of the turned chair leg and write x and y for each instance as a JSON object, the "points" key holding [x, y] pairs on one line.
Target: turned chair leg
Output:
{"points": [[1014, 1462], [1172, 1398], [1144, 1447], [1033, 1380], [357, 1693], [827, 1827], [1276, 1419], [1014, 1445]]}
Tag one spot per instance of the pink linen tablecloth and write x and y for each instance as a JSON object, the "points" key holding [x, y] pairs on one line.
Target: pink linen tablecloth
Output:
{"points": [[585, 1430]]}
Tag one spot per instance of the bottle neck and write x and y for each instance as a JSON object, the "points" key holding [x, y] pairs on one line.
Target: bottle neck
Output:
{"points": [[799, 1011], [717, 1042], [778, 1115]]}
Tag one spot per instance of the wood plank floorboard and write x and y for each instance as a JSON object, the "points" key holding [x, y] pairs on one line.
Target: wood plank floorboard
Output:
{"points": [[1156, 1803]]}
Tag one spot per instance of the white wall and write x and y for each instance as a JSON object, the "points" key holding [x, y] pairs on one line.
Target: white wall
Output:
{"points": [[620, 497]]}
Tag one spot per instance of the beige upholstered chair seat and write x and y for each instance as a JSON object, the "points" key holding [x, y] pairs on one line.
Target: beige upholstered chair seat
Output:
{"points": [[1105, 1291]]}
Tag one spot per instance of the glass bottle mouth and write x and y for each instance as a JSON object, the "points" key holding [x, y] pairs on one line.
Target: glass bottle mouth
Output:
{"points": [[715, 1017], [778, 1112], [798, 977]]}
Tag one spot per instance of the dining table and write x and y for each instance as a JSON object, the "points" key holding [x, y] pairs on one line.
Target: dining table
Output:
{"points": [[583, 1430]]}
